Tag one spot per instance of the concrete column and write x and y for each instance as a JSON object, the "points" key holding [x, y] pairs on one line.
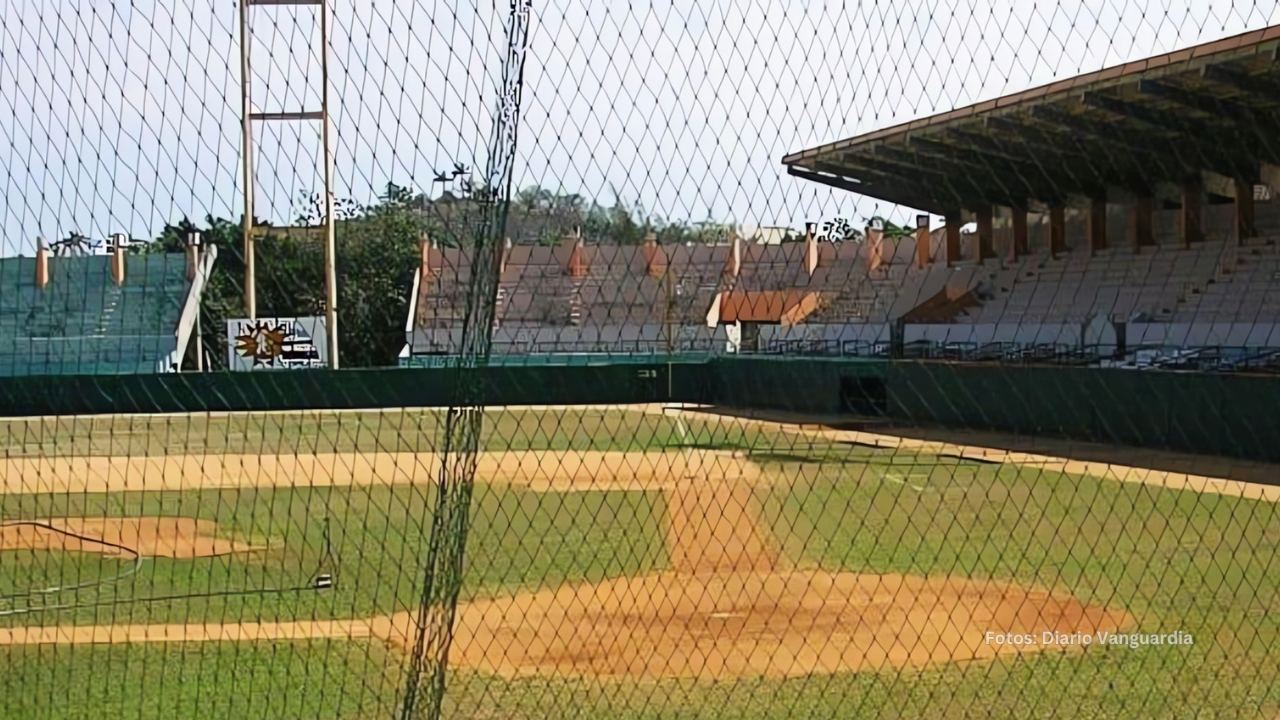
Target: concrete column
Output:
{"points": [[1140, 221], [922, 241], [655, 261], [118, 243], [192, 252], [952, 250], [577, 264], [42, 264], [425, 256], [1057, 230], [1192, 202], [1097, 223], [1021, 245], [501, 251], [1245, 225], [986, 233], [733, 263], [811, 252]]}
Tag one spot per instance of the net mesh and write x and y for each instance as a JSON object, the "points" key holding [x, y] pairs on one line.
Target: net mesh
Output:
{"points": [[720, 359]]}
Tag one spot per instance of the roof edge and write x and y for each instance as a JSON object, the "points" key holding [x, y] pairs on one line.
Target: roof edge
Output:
{"points": [[1242, 45]]}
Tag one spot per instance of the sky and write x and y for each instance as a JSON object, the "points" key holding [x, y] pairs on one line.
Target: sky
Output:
{"points": [[120, 116]]}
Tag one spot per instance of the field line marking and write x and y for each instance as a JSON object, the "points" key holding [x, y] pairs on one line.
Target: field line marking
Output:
{"points": [[897, 478], [1169, 480]]}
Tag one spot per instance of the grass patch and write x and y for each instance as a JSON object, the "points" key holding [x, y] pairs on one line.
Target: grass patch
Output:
{"points": [[376, 539], [201, 681]]}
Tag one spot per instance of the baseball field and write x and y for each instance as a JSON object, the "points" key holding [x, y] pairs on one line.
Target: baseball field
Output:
{"points": [[624, 563]]}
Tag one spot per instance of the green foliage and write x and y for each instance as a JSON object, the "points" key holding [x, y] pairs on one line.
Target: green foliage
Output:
{"points": [[377, 248], [889, 228]]}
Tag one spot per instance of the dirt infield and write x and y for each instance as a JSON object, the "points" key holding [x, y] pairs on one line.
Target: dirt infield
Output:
{"points": [[537, 469], [170, 537], [711, 528], [760, 624], [727, 607]]}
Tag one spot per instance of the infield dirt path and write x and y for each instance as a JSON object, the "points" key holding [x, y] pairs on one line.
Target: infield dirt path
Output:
{"points": [[170, 537]]}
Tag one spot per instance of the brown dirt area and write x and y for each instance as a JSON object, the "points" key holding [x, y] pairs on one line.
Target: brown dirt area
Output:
{"points": [[553, 470], [728, 606], [741, 623], [170, 537]]}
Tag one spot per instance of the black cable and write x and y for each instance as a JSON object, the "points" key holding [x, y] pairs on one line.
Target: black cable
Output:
{"points": [[137, 560], [319, 580]]}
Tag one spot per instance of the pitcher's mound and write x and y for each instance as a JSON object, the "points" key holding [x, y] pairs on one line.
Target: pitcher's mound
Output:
{"points": [[171, 537], [760, 624]]}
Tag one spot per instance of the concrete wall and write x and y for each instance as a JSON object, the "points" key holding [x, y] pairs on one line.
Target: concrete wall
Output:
{"points": [[570, 339], [829, 332], [1203, 334]]}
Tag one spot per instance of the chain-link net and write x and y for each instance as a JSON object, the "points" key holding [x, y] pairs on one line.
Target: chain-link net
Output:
{"points": [[720, 359]]}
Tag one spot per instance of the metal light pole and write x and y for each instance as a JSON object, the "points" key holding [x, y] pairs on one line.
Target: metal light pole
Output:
{"points": [[321, 115], [246, 152], [330, 270]]}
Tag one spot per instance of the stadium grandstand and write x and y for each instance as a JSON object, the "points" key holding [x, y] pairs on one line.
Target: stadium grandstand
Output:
{"points": [[1126, 216], [94, 314]]}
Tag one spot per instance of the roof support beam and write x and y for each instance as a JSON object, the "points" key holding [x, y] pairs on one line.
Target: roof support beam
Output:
{"points": [[1260, 128], [1138, 143], [1018, 143], [1036, 181], [1178, 123], [888, 192], [1090, 172], [1205, 103], [1157, 151], [949, 189], [1264, 86], [999, 178], [1187, 129]]}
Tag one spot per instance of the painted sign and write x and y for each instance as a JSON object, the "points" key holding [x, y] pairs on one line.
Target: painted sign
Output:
{"points": [[276, 343]]}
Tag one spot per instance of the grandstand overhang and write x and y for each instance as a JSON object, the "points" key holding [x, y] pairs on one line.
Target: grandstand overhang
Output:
{"points": [[1211, 108]]}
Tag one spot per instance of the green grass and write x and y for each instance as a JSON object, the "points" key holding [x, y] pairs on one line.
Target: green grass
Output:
{"points": [[1175, 560], [377, 536], [1204, 564], [200, 681], [388, 430]]}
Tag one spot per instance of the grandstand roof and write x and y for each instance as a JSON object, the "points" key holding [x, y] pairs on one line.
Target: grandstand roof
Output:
{"points": [[1210, 107], [81, 322]]}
